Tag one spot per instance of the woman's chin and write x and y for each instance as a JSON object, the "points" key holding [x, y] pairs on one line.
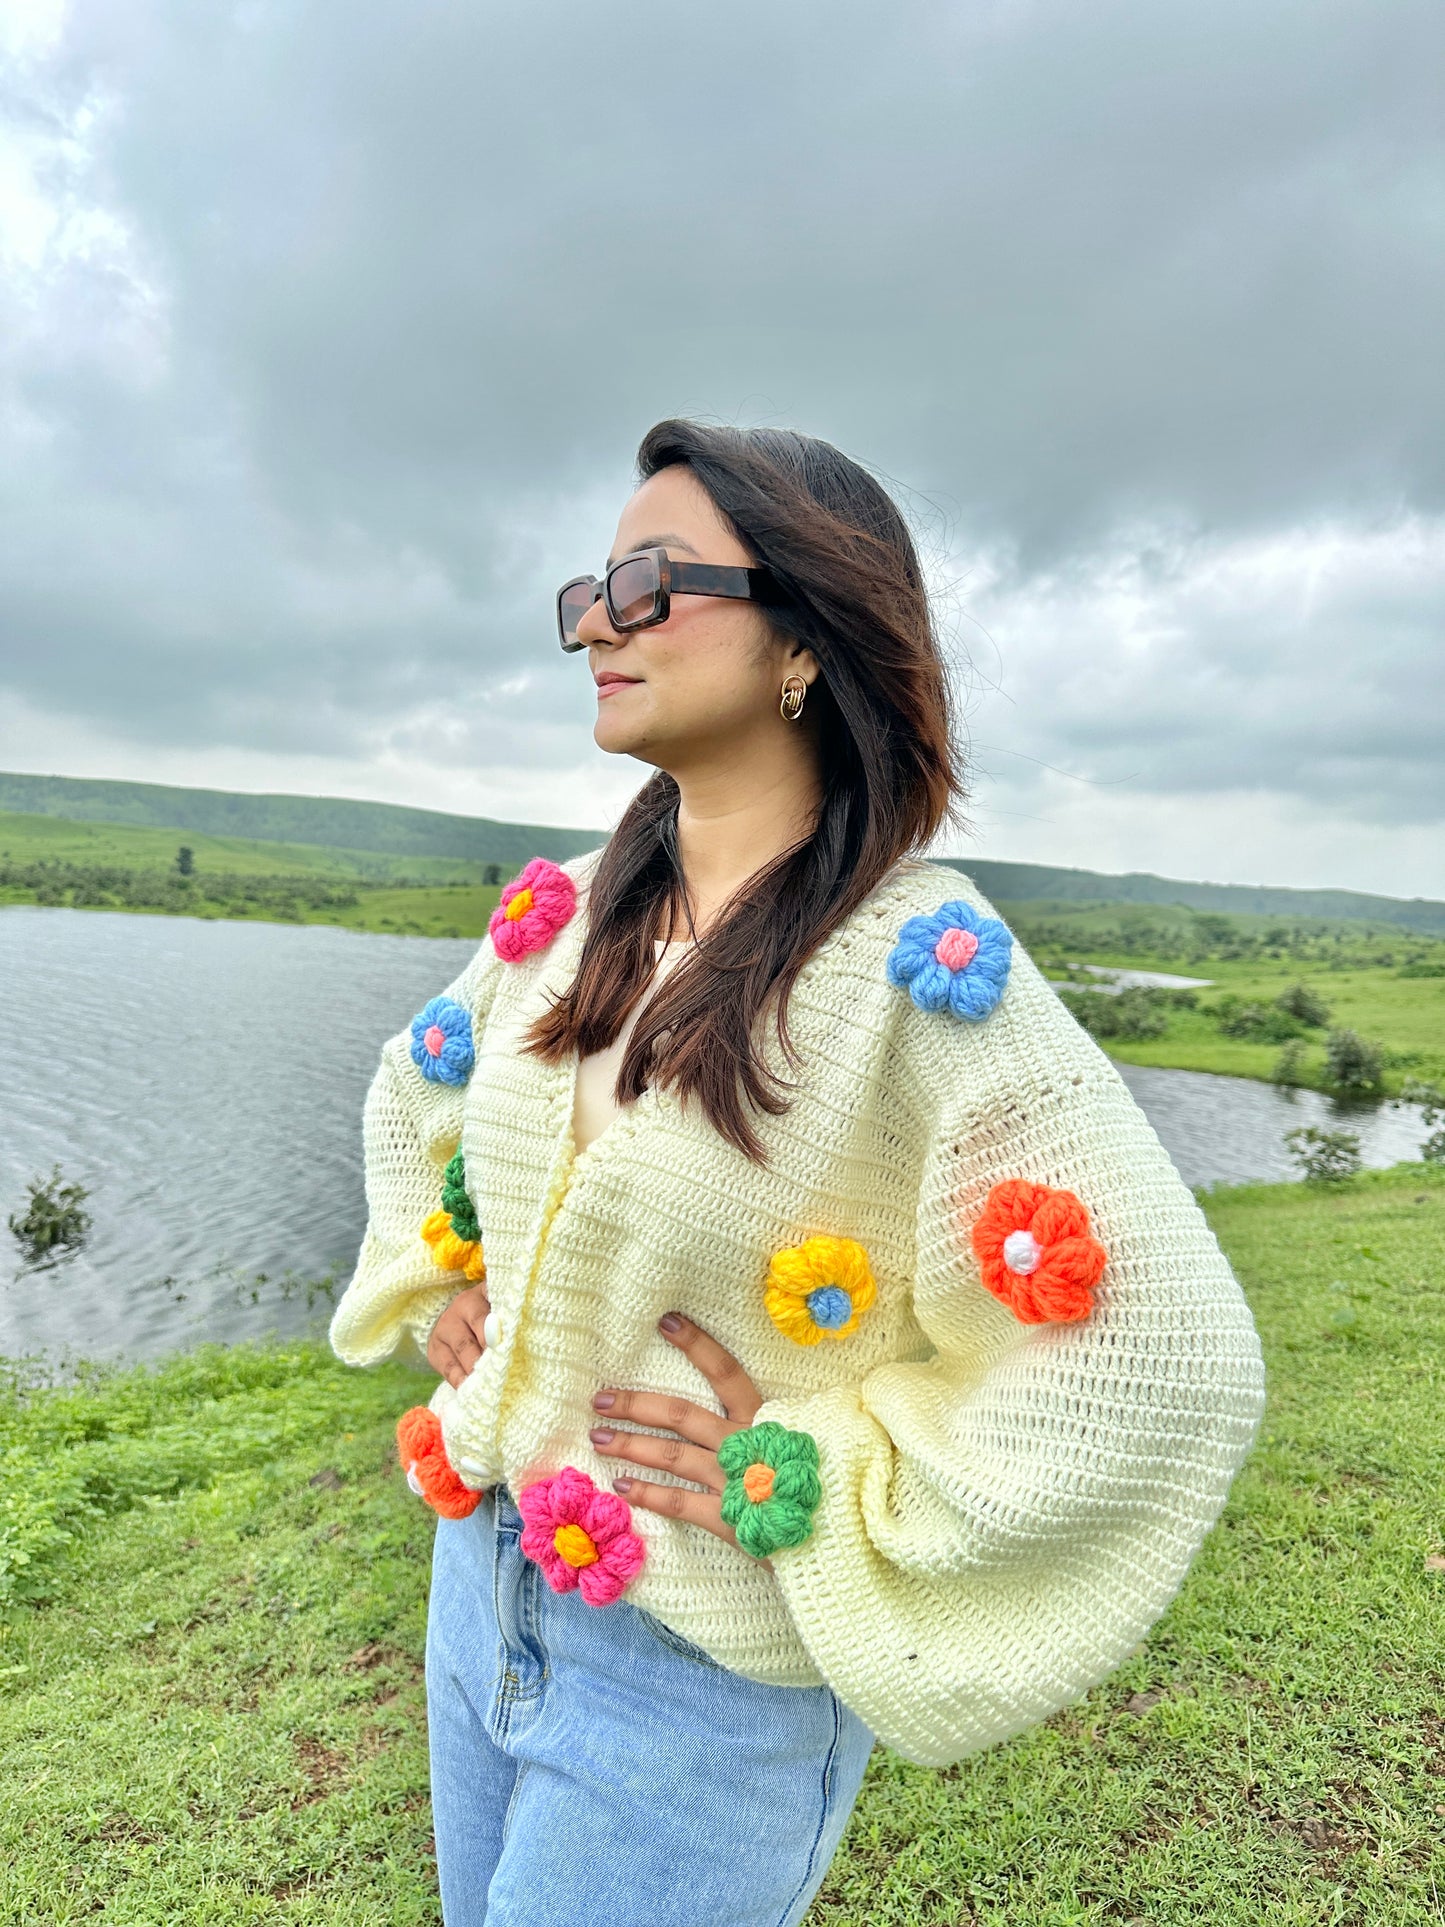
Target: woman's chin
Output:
{"points": [[617, 737]]}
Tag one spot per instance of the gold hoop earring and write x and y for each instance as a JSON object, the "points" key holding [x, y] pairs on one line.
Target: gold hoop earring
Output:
{"points": [[795, 692]]}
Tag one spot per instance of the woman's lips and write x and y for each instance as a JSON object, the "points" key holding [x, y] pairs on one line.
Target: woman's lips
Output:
{"points": [[609, 686]]}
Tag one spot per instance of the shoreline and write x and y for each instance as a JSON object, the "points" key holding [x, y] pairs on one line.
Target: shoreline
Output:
{"points": [[1404, 1013]]}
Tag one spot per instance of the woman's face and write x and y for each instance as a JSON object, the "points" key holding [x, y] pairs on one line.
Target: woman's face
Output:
{"points": [[710, 677]]}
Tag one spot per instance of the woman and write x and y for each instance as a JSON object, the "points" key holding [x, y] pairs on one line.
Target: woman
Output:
{"points": [[827, 1348]]}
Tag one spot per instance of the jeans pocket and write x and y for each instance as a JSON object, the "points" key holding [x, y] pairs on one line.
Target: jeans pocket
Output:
{"points": [[665, 1636]]}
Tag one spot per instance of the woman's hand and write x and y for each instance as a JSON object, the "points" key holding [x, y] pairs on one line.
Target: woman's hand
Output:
{"points": [[693, 1454], [456, 1341]]}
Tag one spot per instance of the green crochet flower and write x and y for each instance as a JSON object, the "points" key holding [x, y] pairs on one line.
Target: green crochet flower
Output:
{"points": [[457, 1201], [772, 1488]]}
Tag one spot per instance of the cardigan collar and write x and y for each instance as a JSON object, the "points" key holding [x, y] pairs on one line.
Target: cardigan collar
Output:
{"points": [[562, 957], [549, 1088]]}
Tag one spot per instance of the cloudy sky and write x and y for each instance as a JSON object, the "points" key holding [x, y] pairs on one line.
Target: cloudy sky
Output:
{"points": [[328, 334]]}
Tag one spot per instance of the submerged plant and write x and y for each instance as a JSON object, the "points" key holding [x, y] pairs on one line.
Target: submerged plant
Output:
{"points": [[1431, 1100], [54, 1220], [1325, 1157]]}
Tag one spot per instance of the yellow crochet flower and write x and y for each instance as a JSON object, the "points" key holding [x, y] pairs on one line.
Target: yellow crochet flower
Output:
{"points": [[818, 1289], [451, 1252]]}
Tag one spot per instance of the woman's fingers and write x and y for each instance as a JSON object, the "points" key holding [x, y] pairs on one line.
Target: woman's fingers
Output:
{"points": [[444, 1360], [739, 1395], [664, 1409], [456, 1341], [693, 1462], [676, 1502], [466, 1347]]}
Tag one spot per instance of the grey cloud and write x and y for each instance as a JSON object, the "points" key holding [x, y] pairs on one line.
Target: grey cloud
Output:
{"points": [[423, 275]]}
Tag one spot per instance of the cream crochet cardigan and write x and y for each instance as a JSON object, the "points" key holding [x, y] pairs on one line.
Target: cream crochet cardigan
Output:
{"points": [[1007, 1507]]}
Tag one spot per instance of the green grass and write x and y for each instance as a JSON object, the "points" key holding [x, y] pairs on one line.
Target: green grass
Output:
{"points": [[214, 1711]]}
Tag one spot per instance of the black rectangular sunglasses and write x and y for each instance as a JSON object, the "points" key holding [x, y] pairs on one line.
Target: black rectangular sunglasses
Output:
{"points": [[638, 589]]}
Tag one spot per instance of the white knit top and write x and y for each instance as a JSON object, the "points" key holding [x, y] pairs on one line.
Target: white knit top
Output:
{"points": [[593, 1105], [1006, 1506]]}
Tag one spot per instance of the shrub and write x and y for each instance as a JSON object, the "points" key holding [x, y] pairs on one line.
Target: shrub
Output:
{"points": [[1289, 1065], [1325, 1157], [1305, 1004], [1258, 1023], [1431, 1100], [1352, 1062], [54, 1218], [1136, 1012]]}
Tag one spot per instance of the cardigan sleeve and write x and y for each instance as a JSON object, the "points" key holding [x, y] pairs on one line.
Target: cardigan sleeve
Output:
{"points": [[411, 1126], [1003, 1519]]}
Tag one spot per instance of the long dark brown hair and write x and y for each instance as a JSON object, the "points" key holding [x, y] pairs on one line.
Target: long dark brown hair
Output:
{"points": [[855, 595]]}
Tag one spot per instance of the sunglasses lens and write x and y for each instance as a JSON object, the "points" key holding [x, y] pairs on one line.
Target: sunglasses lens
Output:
{"points": [[572, 605], [633, 588]]}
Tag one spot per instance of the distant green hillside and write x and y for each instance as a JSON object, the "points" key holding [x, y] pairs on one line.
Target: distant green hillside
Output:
{"points": [[1038, 884], [387, 828], [390, 829]]}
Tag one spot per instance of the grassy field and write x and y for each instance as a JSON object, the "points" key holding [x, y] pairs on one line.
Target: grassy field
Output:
{"points": [[1385, 984], [1408, 1017], [1404, 1014], [212, 1701]]}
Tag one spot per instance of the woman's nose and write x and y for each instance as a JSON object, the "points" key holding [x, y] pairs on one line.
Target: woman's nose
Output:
{"points": [[594, 626]]}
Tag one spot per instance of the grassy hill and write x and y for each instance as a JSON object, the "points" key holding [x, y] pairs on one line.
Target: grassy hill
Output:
{"points": [[211, 1694], [386, 829], [61, 840], [389, 829], [1035, 882]]}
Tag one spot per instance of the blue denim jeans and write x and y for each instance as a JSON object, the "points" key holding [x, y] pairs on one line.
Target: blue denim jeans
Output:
{"points": [[588, 1764]]}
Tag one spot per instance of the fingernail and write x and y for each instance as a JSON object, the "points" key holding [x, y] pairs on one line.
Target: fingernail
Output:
{"points": [[622, 1485], [672, 1323], [604, 1401], [600, 1435]]}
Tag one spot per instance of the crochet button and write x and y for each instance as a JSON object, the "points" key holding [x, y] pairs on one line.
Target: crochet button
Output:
{"points": [[492, 1330]]}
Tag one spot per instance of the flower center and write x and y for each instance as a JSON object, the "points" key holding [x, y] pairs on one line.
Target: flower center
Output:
{"points": [[519, 906], [1022, 1251], [830, 1306], [758, 1482], [573, 1544], [434, 1040], [956, 949]]}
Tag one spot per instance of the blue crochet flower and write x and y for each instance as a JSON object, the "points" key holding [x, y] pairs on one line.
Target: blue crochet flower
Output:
{"points": [[953, 960], [441, 1042]]}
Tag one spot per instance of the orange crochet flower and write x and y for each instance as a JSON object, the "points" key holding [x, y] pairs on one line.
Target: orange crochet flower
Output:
{"points": [[428, 1470], [1035, 1251]]}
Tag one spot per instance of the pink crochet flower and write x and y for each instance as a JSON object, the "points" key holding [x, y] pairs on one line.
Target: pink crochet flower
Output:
{"points": [[580, 1536], [533, 908]]}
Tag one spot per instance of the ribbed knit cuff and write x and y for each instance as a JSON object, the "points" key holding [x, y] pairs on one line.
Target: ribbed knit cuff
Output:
{"points": [[423, 1312], [828, 1581]]}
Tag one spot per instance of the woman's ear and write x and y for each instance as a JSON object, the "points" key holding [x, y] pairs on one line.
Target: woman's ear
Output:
{"points": [[799, 660]]}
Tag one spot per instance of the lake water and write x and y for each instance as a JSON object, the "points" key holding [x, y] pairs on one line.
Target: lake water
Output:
{"points": [[205, 1082]]}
